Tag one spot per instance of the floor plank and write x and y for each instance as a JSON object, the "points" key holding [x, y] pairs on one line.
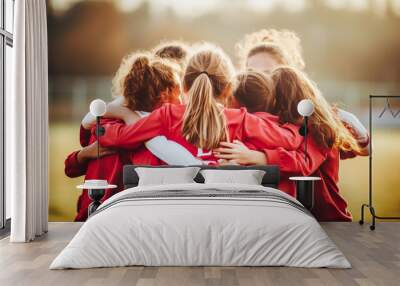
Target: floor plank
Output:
{"points": [[375, 257]]}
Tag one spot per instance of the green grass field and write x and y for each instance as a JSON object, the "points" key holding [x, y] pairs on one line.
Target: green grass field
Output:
{"points": [[64, 138]]}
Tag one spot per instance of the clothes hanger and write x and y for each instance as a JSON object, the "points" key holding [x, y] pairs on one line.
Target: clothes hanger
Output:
{"points": [[388, 107]]}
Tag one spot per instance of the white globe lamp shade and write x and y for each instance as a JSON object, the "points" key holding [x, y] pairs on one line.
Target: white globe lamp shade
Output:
{"points": [[98, 107], [305, 107]]}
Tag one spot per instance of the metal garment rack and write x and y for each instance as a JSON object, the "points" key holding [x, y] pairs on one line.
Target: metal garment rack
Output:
{"points": [[370, 203]]}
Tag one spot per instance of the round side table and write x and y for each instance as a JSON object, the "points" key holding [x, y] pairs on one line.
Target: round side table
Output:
{"points": [[96, 190]]}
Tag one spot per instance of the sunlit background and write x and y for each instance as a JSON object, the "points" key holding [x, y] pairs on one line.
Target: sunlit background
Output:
{"points": [[351, 48]]}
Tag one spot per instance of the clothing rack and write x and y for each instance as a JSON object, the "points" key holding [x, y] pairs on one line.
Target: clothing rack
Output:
{"points": [[394, 114]]}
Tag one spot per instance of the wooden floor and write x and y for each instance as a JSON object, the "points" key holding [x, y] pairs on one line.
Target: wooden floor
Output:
{"points": [[375, 257]]}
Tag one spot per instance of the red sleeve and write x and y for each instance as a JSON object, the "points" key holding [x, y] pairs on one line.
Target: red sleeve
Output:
{"points": [[84, 136], [119, 135], [268, 134], [294, 162], [73, 168]]}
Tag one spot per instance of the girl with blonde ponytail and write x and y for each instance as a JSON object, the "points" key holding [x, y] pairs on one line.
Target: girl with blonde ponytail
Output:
{"points": [[204, 127], [207, 82], [203, 122]]}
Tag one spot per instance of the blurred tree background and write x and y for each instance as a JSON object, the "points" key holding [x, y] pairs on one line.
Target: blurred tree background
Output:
{"points": [[351, 49]]}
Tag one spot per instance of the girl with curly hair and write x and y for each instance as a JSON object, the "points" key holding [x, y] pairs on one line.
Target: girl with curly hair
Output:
{"points": [[142, 83]]}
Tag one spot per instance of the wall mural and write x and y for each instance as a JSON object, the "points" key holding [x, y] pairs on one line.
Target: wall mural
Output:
{"points": [[186, 85]]}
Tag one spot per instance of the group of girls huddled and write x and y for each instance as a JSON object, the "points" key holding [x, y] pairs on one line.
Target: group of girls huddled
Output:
{"points": [[187, 105]]}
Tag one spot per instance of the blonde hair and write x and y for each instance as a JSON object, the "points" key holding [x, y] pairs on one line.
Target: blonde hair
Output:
{"points": [[207, 80], [283, 45], [291, 86], [254, 90], [141, 78]]}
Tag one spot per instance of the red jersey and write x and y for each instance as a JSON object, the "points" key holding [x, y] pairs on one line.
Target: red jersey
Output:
{"points": [[321, 162], [108, 168], [167, 121]]}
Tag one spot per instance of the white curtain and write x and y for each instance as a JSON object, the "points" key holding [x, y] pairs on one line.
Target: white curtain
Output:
{"points": [[27, 124]]}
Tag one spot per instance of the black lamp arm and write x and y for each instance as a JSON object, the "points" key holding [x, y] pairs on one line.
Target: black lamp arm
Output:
{"points": [[99, 132], [99, 129], [305, 137]]}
